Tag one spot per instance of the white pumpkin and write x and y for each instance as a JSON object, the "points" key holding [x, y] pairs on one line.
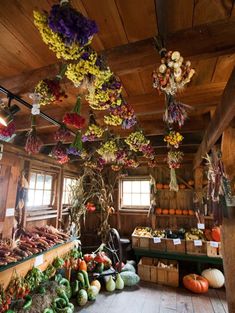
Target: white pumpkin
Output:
{"points": [[214, 277]]}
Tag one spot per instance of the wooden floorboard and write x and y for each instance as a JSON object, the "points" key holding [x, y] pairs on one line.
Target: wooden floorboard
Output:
{"points": [[151, 298]]}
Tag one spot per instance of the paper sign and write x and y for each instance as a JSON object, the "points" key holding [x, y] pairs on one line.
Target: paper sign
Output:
{"points": [[177, 241], [38, 260], [10, 212], [156, 239], [197, 243], [214, 244], [200, 226]]}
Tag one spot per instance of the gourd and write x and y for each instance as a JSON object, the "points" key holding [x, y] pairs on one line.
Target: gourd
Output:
{"points": [[195, 283], [159, 186], [172, 211], [119, 282], [110, 284], [191, 212], [82, 297], [165, 211], [182, 186], [166, 186], [178, 212], [214, 277], [68, 289], [129, 278], [215, 233], [92, 292], [97, 284], [82, 266], [185, 212], [158, 211], [128, 268]]}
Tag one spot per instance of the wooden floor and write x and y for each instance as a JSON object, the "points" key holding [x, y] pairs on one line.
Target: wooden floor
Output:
{"points": [[150, 298]]}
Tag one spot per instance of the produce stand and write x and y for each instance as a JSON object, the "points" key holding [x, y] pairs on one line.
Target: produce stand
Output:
{"points": [[40, 260], [199, 259]]}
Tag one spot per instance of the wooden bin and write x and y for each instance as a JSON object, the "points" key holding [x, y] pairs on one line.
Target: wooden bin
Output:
{"points": [[147, 269], [144, 242], [168, 276], [214, 252], [135, 241], [171, 247], [197, 250], [160, 246]]}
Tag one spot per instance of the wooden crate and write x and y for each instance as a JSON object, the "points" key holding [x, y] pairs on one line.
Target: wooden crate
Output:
{"points": [[144, 242], [147, 270], [168, 276], [160, 246], [135, 241], [214, 252], [197, 250], [170, 247]]}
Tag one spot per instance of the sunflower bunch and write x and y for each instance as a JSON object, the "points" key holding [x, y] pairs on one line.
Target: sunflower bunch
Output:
{"points": [[136, 141], [108, 151], [93, 132], [173, 139]]}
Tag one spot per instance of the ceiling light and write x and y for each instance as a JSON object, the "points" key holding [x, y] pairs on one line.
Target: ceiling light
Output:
{"points": [[7, 113]]}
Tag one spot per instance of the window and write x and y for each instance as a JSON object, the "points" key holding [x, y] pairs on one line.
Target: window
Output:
{"points": [[135, 193], [68, 183], [40, 190]]}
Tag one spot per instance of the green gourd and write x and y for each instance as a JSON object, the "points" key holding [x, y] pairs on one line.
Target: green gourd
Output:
{"points": [[82, 297], [130, 278], [119, 282], [92, 293], [110, 284]]}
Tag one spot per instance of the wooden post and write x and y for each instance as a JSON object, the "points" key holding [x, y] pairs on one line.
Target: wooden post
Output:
{"points": [[228, 227]]}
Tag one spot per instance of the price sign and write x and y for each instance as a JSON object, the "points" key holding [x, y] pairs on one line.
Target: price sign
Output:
{"points": [[177, 241], [10, 212], [156, 239], [214, 244], [197, 243], [38, 260], [201, 226]]}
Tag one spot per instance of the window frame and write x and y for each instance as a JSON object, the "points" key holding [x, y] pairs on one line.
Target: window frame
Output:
{"points": [[62, 196], [31, 208], [137, 208]]}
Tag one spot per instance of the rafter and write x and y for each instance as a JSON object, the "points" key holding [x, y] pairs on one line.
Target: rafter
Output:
{"points": [[221, 119], [209, 40]]}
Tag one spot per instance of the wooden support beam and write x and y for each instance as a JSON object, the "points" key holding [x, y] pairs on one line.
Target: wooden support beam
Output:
{"points": [[209, 40], [222, 117]]}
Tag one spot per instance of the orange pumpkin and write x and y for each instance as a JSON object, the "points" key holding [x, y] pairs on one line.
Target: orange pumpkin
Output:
{"points": [[182, 186], [172, 211], [185, 212], [166, 186], [191, 183], [82, 266], [178, 212], [216, 234], [159, 186], [165, 211], [195, 283], [158, 211], [96, 283], [191, 212]]}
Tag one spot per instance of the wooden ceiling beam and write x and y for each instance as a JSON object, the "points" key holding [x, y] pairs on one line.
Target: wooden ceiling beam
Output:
{"points": [[222, 117], [209, 40]]}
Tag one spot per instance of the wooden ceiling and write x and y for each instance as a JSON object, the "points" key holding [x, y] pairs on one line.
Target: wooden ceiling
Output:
{"points": [[202, 30]]}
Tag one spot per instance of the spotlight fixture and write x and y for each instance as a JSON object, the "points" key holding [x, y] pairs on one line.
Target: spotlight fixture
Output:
{"points": [[7, 113]]}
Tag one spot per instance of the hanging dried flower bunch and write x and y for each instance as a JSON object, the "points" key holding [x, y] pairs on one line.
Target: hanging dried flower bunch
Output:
{"points": [[59, 153], [173, 73], [49, 91], [108, 151], [174, 159], [92, 133], [136, 141], [33, 142], [74, 118], [173, 139], [65, 30], [176, 112], [62, 133], [7, 131]]}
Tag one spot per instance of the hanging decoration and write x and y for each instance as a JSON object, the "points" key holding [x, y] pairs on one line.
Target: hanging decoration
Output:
{"points": [[108, 151], [7, 131], [173, 139], [74, 118], [62, 134], [136, 141], [33, 142], [173, 73], [176, 112], [65, 30], [173, 181], [121, 115], [92, 133], [174, 158], [59, 153]]}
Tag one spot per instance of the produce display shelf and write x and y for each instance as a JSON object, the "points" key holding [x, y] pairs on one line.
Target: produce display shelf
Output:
{"points": [[177, 256], [13, 264]]}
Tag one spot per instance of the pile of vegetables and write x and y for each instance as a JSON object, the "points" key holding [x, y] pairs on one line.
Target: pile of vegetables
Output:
{"points": [[97, 262]]}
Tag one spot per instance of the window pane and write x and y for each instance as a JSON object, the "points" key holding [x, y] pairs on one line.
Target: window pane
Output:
{"points": [[136, 187], [47, 198], [126, 186], [145, 186], [30, 197], [126, 199], [48, 182], [40, 180], [38, 197], [145, 199], [32, 181], [135, 199]]}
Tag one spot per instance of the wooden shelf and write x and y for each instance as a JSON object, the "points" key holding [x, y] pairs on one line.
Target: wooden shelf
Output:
{"points": [[182, 215]]}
